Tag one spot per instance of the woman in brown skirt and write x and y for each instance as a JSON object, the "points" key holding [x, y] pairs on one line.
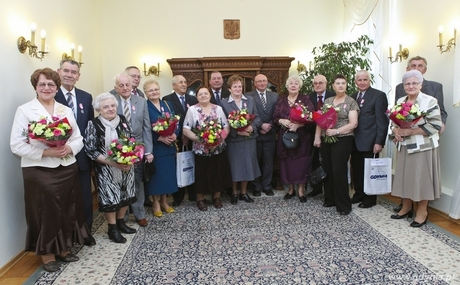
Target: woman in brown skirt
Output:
{"points": [[53, 202]]}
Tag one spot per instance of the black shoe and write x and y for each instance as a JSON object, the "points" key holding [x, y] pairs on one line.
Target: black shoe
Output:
{"points": [[397, 208], [256, 193], [303, 199], [115, 235], [51, 266], [234, 199], [70, 257], [314, 193], [365, 205], [176, 203], [269, 192], [90, 241], [356, 199], [328, 205], [289, 196], [344, 213], [124, 228], [415, 224], [398, 217], [246, 198]]}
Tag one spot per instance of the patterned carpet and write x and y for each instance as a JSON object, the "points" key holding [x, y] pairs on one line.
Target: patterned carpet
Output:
{"points": [[271, 241]]}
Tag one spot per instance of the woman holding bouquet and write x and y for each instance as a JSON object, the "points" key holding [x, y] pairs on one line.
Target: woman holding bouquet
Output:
{"points": [[418, 168], [336, 154], [211, 162], [163, 182], [53, 202], [295, 163], [115, 181], [242, 152]]}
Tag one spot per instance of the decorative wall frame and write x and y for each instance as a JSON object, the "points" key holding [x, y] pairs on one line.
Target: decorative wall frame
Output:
{"points": [[231, 29]]}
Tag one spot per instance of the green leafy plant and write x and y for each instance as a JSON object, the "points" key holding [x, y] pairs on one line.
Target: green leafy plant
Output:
{"points": [[344, 58]]}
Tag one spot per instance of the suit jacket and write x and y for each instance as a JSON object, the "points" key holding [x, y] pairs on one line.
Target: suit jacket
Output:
{"points": [[140, 121], [266, 115], [432, 88], [372, 120], [314, 98], [139, 92], [178, 110], [85, 113], [224, 94], [250, 106]]}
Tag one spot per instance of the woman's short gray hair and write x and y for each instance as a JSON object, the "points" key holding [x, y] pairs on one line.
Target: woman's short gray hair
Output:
{"points": [[294, 78], [413, 73], [101, 97]]}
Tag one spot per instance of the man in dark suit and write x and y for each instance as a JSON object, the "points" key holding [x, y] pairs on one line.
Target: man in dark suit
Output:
{"points": [[136, 77], [265, 102], [81, 104], [317, 98], [180, 102], [431, 88], [370, 135], [138, 116], [216, 82]]}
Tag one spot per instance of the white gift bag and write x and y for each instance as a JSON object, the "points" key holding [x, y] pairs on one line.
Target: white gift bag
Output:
{"points": [[377, 176], [185, 171]]}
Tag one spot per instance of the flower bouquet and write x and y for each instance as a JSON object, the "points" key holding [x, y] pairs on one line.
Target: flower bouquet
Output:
{"points": [[209, 132], [240, 119], [125, 151], [326, 118], [300, 114], [52, 133], [405, 114], [166, 124]]}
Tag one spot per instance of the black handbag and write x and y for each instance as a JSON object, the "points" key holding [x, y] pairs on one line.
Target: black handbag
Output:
{"points": [[317, 175], [291, 139], [149, 171]]}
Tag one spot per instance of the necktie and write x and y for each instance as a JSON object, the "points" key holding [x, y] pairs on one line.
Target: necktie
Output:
{"points": [[217, 97], [264, 102], [182, 100], [134, 92], [127, 112], [70, 102], [319, 105], [360, 97]]}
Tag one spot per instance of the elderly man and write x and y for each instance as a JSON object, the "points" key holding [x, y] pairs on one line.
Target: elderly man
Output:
{"points": [[216, 82], [81, 104], [317, 98], [265, 102], [370, 135], [181, 102], [136, 77], [135, 110]]}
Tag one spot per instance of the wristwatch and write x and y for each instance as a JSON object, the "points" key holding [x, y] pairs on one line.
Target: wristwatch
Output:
{"points": [[338, 131]]}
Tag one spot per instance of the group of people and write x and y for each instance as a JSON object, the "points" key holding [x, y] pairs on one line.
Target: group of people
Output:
{"points": [[57, 180]]}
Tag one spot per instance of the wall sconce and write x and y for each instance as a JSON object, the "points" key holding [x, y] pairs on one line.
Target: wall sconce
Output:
{"points": [[301, 67], [72, 55], [400, 55], [24, 44], [152, 70], [450, 43]]}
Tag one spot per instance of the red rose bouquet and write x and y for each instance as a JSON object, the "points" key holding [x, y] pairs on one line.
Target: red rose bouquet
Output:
{"points": [[166, 124], [300, 114], [125, 151], [52, 133], [405, 114], [240, 119], [326, 118], [210, 132]]}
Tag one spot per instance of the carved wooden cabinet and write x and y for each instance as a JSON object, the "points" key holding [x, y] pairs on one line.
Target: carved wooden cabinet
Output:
{"points": [[198, 70]]}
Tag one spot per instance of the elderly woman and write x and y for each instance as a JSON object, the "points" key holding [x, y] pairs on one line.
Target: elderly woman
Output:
{"points": [[242, 152], [212, 173], [54, 216], [115, 182], [335, 155], [295, 163], [163, 182], [421, 159]]}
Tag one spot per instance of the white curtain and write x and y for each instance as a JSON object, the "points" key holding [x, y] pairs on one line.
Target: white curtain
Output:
{"points": [[455, 204]]}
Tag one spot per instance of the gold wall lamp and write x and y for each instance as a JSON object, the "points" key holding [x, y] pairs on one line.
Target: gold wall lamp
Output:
{"points": [[24, 44], [302, 68], [72, 54], [400, 55], [450, 43], [155, 70]]}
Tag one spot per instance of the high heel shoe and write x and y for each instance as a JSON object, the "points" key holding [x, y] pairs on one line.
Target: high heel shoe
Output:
{"points": [[114, 234], [415, 224], [289, 196], [246, 198], [398, 217], [157, 214], [168, 210]]}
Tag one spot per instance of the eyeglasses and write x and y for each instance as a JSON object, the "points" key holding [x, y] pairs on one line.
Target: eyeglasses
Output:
{"points": [[318, 83], [408, 84], [136, 76], [43, 85]]}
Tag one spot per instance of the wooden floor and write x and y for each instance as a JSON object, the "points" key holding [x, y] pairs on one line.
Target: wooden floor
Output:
{"points": [[29, 263]]}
